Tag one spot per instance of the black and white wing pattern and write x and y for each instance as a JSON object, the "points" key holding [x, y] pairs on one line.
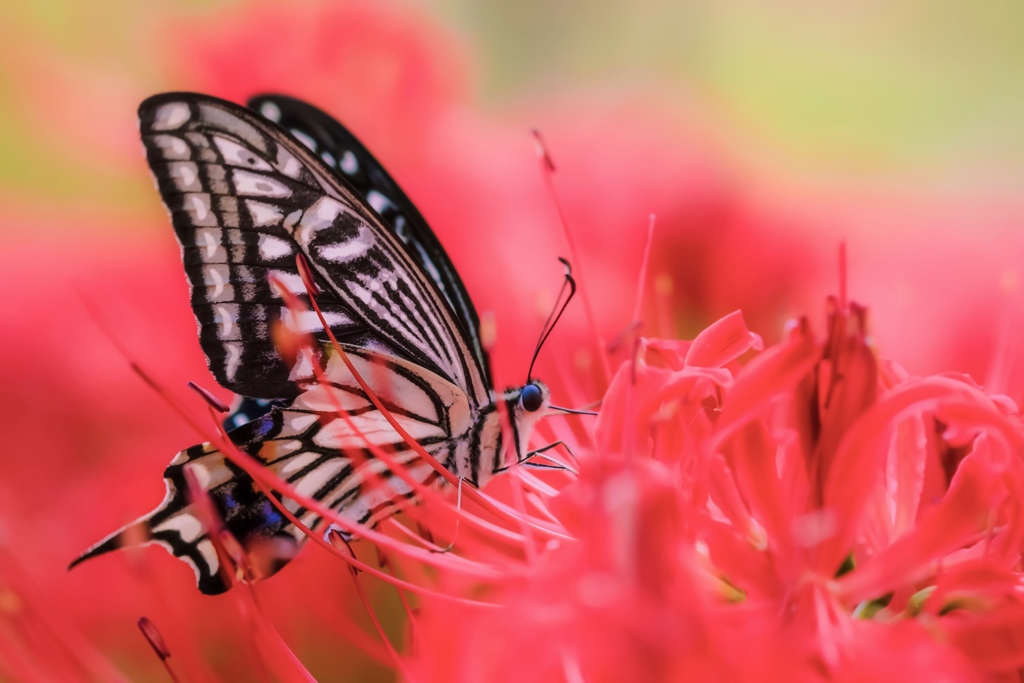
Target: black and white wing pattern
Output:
{"points": [[245, 197], [312, 447], [343, 152]]}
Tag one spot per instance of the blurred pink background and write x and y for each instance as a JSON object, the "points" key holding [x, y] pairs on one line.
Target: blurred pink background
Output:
{"points": [[761, 138]]}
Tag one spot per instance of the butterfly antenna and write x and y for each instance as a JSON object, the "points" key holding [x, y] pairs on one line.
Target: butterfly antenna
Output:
{"points": [[556, 312], [548, 172]]}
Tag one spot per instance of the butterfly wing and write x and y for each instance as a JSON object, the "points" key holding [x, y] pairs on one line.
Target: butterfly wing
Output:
{"points": [[245, 198], [343, 152], [312, 447]]}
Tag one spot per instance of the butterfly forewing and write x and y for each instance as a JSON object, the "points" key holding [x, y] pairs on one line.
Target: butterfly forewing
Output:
{"points": [[245, 198], [341, 150]]}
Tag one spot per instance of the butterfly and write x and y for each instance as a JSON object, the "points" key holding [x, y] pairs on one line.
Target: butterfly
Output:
{"points": [[253, 192]]}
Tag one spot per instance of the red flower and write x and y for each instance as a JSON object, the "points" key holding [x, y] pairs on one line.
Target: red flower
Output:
{"points": [[810, 512], [766, 521]]}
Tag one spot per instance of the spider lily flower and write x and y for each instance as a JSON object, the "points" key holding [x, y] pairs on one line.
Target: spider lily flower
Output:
{"points": [[793, 515]]}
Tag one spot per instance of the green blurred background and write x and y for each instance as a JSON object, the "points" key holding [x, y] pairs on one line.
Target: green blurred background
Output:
{"points": [[905, 90]]}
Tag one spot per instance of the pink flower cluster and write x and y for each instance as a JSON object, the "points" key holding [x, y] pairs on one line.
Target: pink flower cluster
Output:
{"points": [[813, 514]]}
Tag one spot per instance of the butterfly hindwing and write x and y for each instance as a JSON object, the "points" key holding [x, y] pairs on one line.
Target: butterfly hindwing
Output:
{"points": [[313, 447], [245, 198]]}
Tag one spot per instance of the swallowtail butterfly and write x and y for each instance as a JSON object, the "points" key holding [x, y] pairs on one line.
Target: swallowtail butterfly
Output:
{"points": [[248, 191]]}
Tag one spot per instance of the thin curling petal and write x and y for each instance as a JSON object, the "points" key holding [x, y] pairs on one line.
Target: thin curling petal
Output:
{"points": [[859, 459], [772, 374], [962, 518], [723, 342]]}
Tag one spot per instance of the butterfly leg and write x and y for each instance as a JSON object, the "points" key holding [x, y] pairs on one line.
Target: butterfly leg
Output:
{"points": [[551, 466], [539, 453]]}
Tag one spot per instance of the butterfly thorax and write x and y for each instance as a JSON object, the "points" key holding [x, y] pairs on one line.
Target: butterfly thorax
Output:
{"points": [[488, 448]]}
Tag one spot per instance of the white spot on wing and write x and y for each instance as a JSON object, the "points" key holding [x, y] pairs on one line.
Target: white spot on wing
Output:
{"points": [[186, 525], [335, 319], [216, 276], [320, 215], [302, 369], [377, 200], [253, 184], [288, 164], [208, 239], [263, 214], [186, 176], [236, 155], [198, 208], [365, 296], [289, 446], [172, 146], [349, 163], [341, 252], [291, 281], [303, 138], [308, 321], [291, 219], [271, 111], [326, 209], [301, 421], [273, 247], [170, 116], [232, 360], [202, 475], [206, 549], [226, 317], [297, 463], [310, 483], [304, 321]]}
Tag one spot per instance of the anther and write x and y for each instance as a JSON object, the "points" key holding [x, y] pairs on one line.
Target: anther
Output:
{"points": [[156, 641], [214, 402]]}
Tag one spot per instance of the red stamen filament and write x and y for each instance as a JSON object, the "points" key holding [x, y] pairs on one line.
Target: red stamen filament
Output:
{"points": [[339, 543]]}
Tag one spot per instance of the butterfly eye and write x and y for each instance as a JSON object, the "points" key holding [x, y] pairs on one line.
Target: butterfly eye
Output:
{"points": [[531, 398]]}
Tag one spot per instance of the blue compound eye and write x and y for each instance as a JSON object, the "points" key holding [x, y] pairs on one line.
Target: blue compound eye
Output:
{"points": [[531, 398]]}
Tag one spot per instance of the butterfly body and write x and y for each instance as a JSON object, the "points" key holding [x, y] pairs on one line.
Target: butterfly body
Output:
{"points": [[249, 201]]}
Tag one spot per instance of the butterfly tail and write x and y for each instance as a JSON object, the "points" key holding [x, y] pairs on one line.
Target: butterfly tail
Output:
{"points": [[176, 527], [258, 535], [137, 533]]}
